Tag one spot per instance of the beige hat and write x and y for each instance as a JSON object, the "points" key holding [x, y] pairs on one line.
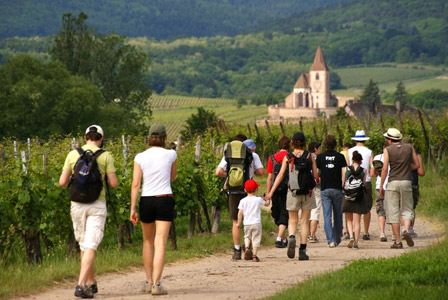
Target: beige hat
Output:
{"points": [[95, 128], [393, 134]]}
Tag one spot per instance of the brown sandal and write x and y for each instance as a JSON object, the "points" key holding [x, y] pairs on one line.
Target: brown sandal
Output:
{"points": [[255, 258]]}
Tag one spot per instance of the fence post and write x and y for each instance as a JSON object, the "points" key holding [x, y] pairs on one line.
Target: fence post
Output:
{"points": [[16, 154], [250, 130], [282, 127], [425, 135], [25, 170]]}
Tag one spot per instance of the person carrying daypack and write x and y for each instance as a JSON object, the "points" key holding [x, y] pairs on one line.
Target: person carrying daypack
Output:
{"points": [[354, 204], [237, 165], [300, 166], [278, 209], [88, 207]]}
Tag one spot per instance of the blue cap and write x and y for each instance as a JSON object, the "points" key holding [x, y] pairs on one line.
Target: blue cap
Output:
{"points": [[250, 144]]}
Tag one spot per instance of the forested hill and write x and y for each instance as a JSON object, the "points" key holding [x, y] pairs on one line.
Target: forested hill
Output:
{"points": [[371, 31], [159, 19]]}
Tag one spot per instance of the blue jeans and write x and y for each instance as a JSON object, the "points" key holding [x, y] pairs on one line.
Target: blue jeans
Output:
{"points": [[332, 207]]}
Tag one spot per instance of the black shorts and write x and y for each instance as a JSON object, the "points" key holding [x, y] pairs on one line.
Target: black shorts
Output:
{"points": [[278, 209], [234, 202], [154, 208]]}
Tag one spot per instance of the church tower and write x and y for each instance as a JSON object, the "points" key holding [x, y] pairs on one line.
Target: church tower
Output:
{"points": [[319, 80]]}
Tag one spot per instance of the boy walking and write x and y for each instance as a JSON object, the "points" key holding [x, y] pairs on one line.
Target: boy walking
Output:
{"points": [[249, 208]]}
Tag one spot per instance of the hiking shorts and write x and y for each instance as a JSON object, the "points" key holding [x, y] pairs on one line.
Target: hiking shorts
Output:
{"points": [[88, 223], [278, 209], [415, 195], [252, 234], [294, 203], [398, 196], [380, 211], [315, 212], [369, 198], [234, 201], [154, 208]]}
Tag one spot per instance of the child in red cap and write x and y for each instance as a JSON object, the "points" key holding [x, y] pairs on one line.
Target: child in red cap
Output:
{"points": [[249, 208]]}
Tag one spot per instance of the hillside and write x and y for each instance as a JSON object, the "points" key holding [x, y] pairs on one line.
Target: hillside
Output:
{"points": [[160, 19]]}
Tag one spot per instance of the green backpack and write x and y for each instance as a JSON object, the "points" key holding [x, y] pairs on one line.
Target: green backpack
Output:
{"points": [[238, 158]]}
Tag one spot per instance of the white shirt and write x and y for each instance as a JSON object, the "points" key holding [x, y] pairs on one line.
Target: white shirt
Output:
{"points": [[250, 206], [378, 178], [156, 166], [256, 164], [366, 153]]}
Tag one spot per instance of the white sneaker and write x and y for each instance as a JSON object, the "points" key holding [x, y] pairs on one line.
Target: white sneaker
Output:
{"points": [[158, 290], [332, 245]]}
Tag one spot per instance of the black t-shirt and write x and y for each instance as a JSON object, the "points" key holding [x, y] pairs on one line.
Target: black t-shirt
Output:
{"points": [[330, 164]]}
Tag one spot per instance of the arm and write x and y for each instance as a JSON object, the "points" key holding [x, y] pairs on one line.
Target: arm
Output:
{"points": [[135, 187], [372, 170], [364, 178], [370, 163], [421, 169], [259, 172], [240, 218], [384, 170], [314, 168], [65, 178], [279, 178], [173, 171], [269, 183], [220, 172], [112, 180], [343, 176]]}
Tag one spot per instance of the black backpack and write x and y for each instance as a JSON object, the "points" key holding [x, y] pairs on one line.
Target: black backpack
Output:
{"points": [[301, 180], [276, 167], [86, 182], [238, 158], [353, 185]]}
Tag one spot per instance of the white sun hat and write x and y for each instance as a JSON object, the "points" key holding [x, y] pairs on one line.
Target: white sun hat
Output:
{"points": [[360, 136], [393, 134]]}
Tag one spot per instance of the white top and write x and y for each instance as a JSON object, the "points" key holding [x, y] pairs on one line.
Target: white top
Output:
{"points": [[250, 206], [256, 164], [156, 166], [378, 178], [366, 153]]}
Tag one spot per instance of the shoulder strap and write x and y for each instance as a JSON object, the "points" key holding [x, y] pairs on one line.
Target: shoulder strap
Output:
{"points": [[98, 153], [80, 151], [352, 169]]}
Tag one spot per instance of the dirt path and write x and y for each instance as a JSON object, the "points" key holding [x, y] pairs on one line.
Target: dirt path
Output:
{"points": [[217, 277]]}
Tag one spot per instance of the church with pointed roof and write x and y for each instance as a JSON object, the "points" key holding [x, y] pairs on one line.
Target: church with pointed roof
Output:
{"points": [[310, 96]]}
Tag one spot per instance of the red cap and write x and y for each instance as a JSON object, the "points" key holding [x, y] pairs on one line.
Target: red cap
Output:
{"points": [[251, 185]]}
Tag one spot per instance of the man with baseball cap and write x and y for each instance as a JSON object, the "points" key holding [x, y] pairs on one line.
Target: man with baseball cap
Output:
{"points": [[367, 159], [89, 218], [402, 159]]}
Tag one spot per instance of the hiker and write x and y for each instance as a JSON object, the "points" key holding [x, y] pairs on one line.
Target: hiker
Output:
{"points": [[360, 138], [249, 208], [344, 152], [157, 167], [278, 209], [302, 172], [257, 165], [331, 165], [415, 189], [401, 159], [315, 149], [354, 202], [375, 170], [89, 218], [249, 165]]}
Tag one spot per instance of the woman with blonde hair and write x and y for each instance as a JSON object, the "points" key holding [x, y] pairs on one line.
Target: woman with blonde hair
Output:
{"points": [[157, 167]]}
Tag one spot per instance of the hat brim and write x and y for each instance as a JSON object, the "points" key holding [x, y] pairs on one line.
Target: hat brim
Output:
{"points": [[392, 137], [360, 139]]}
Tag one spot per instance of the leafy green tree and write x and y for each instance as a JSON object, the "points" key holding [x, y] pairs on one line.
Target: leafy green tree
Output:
{"points": [[433, 98], [198, 123], [371, 93], [240, 102], [400, 94]]}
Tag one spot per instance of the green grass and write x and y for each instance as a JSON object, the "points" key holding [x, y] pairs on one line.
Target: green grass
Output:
{"points": [[416, 275], [110, 258]]}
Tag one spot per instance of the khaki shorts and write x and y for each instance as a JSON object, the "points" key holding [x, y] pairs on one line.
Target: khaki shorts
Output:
{"points": [[88, 223], [295, 203], [398, 195], [252, 235], [315, 212]]}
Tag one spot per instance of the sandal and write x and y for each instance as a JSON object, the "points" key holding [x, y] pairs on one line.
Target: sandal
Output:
{"points": [[255, 258]]}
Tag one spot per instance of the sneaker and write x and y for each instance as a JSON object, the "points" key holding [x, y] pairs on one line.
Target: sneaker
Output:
{"points": [[346, 235], [383, 238], [408, 239], [355, 246], [278, 244], [94, 287], [292, 247], [159, 290], [397, 245], [147, 286], [366, 237], [248, 254], [350, 244], [236, 254], [285, 243], [332, 245], [255, 259], [412, 232], [83, 292], [313, 239], [303, 256]]}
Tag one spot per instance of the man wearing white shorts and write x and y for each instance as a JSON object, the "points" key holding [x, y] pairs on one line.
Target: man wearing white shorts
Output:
{"points": [[89, 218], [315, 149]]}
